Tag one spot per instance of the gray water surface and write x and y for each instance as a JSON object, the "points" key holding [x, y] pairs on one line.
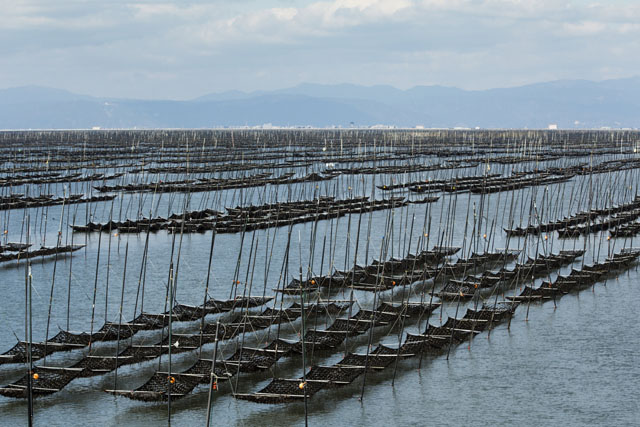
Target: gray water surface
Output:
{"points": [[573, 365]]}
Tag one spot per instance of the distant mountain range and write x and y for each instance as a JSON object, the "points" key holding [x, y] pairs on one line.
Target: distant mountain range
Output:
{"points": [[570, 104]]}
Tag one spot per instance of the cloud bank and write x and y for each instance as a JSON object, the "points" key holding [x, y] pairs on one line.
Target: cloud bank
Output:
{"points": [[179, 50]]}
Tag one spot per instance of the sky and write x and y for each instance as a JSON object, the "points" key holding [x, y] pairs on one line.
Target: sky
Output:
{"points": [[184, 49]]}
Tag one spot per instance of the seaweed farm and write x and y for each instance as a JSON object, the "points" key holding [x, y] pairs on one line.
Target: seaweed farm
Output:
{"points": [[347, 277]]}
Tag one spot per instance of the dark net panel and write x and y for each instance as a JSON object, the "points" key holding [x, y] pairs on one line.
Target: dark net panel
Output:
{"points": [[43, 382], [370, 362], [336, 375], [252, 360], [320, 340], [350, 326], [281, 391], [148, 321], [18, 353], [476, 325], [65, 337]]}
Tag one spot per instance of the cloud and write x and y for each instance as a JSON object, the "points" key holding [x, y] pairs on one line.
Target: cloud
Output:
{"points": [[585, 28], [182, 49]]}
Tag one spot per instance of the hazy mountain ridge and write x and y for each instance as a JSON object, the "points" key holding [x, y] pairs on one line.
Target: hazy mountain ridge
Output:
{"points": [[568, 103]]}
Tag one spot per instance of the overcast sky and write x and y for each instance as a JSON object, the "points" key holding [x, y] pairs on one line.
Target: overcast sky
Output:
{"points": [[183, 49]]}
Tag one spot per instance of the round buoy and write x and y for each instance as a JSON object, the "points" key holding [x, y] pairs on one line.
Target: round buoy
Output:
{"points": [[301, 386], [172, 380], [36, 376]]}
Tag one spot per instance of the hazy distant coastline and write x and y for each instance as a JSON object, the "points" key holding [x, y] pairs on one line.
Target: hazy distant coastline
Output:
{"points": [[569, 104]]}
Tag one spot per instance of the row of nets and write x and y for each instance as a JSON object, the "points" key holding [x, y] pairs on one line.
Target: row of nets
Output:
{"points": [[65, 340], [434, 339]]}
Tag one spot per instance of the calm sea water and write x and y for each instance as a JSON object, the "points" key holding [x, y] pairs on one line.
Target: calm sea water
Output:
{"points": [[576, 364]]}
